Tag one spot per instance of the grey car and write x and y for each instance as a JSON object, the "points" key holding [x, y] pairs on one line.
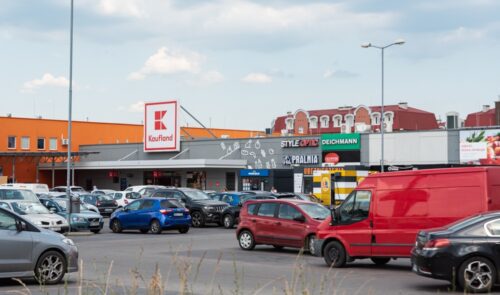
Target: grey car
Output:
{"points": [[29, 251]]}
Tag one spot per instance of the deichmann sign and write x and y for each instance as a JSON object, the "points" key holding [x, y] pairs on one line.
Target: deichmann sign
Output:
{"points": [[300, 159], [300, 143], [340, 142], [161, 128]]}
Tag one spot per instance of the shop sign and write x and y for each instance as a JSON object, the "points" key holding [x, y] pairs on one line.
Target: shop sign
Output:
{"points": [[300, 159], [300, 143], [480, 147], [340, 142], [310, 171], [332, 158], [161, 128], [254, 173]]}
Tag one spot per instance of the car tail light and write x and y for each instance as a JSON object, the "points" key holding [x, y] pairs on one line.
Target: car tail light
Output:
{"points": [[126, 201], [166, 211], [437, 244], [186, 210]]}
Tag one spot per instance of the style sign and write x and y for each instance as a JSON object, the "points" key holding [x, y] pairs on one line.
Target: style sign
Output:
{"points": [[161, 128], [340, 142], [300, 159], [300, 143]]}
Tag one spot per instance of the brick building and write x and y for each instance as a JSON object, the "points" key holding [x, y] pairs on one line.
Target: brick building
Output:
{"points": [[486, 117]]}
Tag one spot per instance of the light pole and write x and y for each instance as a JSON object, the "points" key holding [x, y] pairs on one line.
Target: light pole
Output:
{"points": [[70, 99], [382, 117]]}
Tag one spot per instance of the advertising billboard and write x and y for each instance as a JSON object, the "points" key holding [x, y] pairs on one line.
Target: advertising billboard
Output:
{"points": [[480, 147], [161, 128], [341, 142]]}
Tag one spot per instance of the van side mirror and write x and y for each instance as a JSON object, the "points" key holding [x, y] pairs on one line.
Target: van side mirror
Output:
{"points": [[334, 216]]}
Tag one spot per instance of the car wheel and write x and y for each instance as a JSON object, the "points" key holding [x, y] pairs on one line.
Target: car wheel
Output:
{"points": [[116, 226], [50, 268], [197, 219], [310, 244], [184, 230], [228, 221], [334, 254], [144, 230], [246, 240], [380, 260], [477, 275], [95, 231], [155, 227]]}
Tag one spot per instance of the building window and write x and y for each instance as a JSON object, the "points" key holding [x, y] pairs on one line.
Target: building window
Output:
{"points": [[337, 121], [349, 120], [40, 143], [25, 143], [11, 142], [313, 122], [53, 144], [325, 121], [289, 123], [301, 130], [376, 119]]}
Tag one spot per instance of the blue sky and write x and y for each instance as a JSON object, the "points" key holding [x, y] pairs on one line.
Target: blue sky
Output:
{"points": [[241, 63]]}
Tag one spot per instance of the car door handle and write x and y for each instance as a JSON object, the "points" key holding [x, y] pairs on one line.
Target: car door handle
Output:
{"points": [[277, 223]]}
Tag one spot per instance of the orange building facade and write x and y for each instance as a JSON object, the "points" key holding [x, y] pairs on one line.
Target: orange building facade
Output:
{"points": [[28, 135]]}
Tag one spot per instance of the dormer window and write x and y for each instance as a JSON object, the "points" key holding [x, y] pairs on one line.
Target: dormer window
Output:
{"points": [[313, 122], [289, 123], [337, 121], [376, 119], [325, 121]]}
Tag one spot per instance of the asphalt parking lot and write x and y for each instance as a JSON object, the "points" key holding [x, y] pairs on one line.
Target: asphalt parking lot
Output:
{"points": [[209, 261]]}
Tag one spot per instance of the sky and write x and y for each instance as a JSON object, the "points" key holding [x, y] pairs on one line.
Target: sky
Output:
{"points": [[241, 63]]}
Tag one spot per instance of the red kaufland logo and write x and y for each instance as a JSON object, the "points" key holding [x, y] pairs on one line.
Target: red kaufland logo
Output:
{"points": [[159, 120]]}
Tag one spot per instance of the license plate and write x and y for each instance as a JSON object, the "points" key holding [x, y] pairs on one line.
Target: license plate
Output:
{"points": [[96, 223], [179, 214], [56, 228], [108, 210]]}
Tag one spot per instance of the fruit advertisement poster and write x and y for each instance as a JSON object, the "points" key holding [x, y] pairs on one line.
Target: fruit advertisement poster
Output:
{"points": [[480, 147]]}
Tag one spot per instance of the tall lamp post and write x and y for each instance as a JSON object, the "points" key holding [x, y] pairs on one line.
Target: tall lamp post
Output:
{"points": [[70, 99], [382, 117]]}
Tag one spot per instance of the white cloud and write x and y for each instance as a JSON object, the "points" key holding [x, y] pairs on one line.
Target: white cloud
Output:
{"points": [[123, 8], [257, 78], [46, 80], [463, 34], [137, 107], [166, 61], [211, 77]]}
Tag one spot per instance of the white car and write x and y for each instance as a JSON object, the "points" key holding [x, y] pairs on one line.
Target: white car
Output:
{"points": [[77, 190], [102, 191], [37, 214], [144, 190], [124, 198]]}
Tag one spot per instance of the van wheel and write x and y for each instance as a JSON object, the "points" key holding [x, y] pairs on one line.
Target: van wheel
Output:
{"points": [[477, 275], [380, 260], [50, 268], [334, 254], [246, 240]]}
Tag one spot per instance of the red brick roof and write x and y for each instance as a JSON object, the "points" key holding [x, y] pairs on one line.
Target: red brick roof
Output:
{"points": [[481, 118]]}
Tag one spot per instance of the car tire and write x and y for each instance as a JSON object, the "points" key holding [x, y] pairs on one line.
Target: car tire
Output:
{"points": [[380, 260], [246, 240], [477, 275], [155, 227], [228, 221], [50, 268], [95, 231], [184, 230], [197, 219], [309, 244], [144, 230], [334, 254], [116, 226]]}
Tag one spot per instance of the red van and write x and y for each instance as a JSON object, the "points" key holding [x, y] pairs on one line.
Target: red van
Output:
{"points": [[382, 216]]}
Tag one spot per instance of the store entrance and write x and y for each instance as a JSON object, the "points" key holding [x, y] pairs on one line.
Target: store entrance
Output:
{"points": [[162, 178]]}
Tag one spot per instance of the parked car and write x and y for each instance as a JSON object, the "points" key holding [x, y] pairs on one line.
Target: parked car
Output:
{"points": [[37, 214], [382, 216], [10, 194], [231, 215], [105, 204], [144, 190], [85, 220], [280, 223], [37, 188], [201, 207], [232, 198], [102, 192], [77, 190], [124, 198], [261, 193], [465, 252], [28, 251], [151, 214]]}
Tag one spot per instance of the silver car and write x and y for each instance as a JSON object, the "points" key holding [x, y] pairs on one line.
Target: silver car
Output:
{"points": [[29, 251], [37, 214]]}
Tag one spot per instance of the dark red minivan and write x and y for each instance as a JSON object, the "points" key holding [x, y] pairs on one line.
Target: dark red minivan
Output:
{"points": [[280, 223]]}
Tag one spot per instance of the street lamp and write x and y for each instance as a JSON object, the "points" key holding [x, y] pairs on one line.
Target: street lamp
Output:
{"points": [[70, 105], [382, 119]]}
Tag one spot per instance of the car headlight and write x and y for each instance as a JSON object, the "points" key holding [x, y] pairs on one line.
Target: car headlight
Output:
{"points": [[208, 208], [78, 219], [68, 241], [37, 222]]}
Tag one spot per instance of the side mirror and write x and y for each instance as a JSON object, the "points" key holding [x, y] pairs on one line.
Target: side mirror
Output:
{"points": [[335, 216], [300, 218], [20, 226], [52, 210]]}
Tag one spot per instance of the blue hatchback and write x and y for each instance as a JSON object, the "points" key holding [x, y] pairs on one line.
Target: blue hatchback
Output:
{"points": [[152, 215]]}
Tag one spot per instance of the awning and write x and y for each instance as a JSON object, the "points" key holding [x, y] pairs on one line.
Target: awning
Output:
{"points": [[153, 164]]}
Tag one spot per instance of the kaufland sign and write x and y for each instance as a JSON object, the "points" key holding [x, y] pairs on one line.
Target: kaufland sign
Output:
{"points": [[161, 128]]}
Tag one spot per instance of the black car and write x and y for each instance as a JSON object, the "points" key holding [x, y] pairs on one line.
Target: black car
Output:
{"points": [[231, 215], [466, 252], [201, 207], [104, 203]]}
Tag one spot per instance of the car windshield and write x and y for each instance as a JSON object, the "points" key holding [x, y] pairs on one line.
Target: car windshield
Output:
{"points": [[196, 195], [64, 205], [24, 208], [133, 196], [104, 198], [315, 211], [16, 194], [77, 189]]}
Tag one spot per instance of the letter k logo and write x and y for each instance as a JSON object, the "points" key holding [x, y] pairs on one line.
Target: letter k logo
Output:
{"points": [[159, 123]]}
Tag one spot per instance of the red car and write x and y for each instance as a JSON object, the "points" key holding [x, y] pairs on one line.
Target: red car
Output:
{"points": [[280, 223]]}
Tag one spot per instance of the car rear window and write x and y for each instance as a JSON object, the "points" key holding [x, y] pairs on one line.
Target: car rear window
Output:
{"points": [[267, 209], [167, 204]]}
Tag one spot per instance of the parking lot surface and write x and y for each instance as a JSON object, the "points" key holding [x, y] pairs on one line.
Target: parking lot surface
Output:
{"points": [[209, 261]]}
